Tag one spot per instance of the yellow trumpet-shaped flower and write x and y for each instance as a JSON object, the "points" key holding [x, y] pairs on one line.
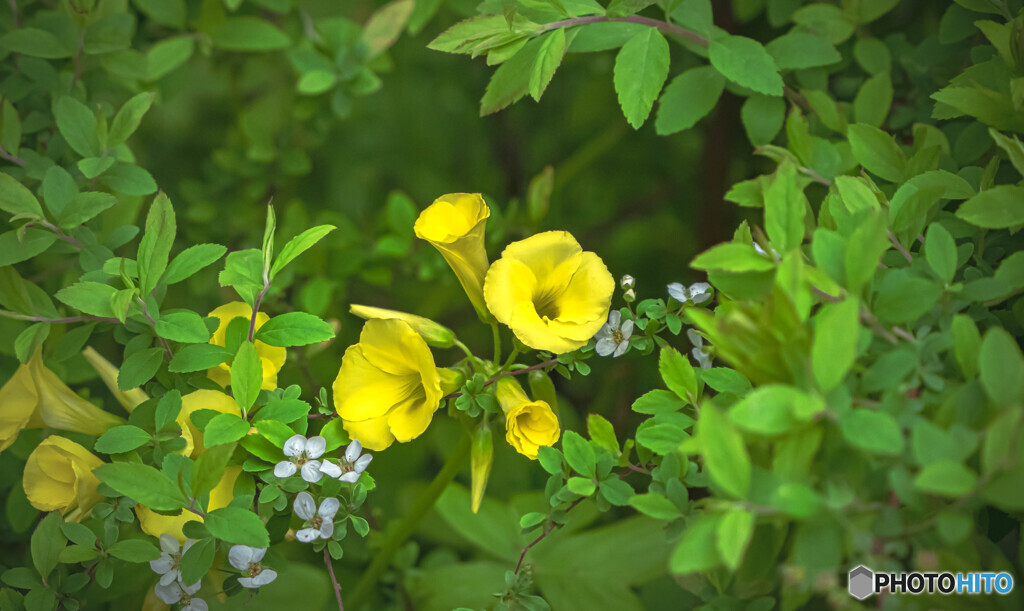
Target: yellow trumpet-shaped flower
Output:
{"points": [[58, 476], [454, 224], [129, 399], [552, 294], [195, 401], [528, 424], [271, 357], [433, 333], [156, 524], [388, 387], [35, 397]]}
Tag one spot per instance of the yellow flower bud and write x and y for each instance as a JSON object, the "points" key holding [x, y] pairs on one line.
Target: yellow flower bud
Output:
{"points": [[433, 333], [454, 224], [129, 399], [480, 461], [271, 357], [195, 401], [58, 476], [20, 406], [388, 387], [528, 424], [156, 524], [552, 294]]}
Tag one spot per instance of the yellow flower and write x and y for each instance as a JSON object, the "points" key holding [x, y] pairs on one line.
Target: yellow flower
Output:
{"points": [[272, 357], [156, 524], [197, 400], [549, 292], [433, 333], [58, 476], [129, 399], [528, 424], [388, 387], [35, 397], [454, 224]]}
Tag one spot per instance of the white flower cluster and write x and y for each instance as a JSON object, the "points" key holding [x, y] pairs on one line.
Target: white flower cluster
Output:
{"points": [[319, 522], [304, 457], [613, 338], [696, 293], [170, 589], [249, 560]]}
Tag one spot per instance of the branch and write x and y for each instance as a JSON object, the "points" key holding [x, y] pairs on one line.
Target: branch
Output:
{"points": [[60, 234], [517, 372], [334, 580], [256, 305], [547, 531], [663, 26], [65, 319], [163, 342], [10, 157]]}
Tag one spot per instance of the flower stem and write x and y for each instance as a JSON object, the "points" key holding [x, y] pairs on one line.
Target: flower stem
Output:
{"points": [[410, 522], [334, 580], [496, 332]]}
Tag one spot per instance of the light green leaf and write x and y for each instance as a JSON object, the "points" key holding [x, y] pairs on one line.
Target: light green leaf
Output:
{"points": [[127, 120], [198, 357], [15, 198], [185, 326], [875, 432], [835, 342], [142, 483], [876, 151], [224, 429], [237, 525], [89, 297], [1001, 367], [734, 532], [655, 506], [725, 454], [641, 68], [763, 116], [549, 57], [139, 368], [78, 126], [745, 62], [294, 329], [248, 34], [84, 206], [698, 549], [871, 106], [298, 245], [996, 208], [155, 246], [940, 252], [677, 372], [191, 260], [687, 99], [122, 439], [946, 478], [246, 375], [732, 257], [784, 207], [799, 50]]}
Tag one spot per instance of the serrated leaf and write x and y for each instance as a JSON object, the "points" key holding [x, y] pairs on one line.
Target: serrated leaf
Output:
{"points": [[89, 297], [185, 326], [745, 62], [127, 119], [15, 198], [78, 126], [237, 525], [641, 68], [122, 439], [139, 368], [198, 357], [156, 243], [142, 483], [687, 99], [294, 329], [246, 375]]}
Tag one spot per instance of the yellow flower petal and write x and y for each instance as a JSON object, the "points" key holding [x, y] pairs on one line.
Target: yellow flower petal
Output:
{"points": [[373, 433], [18, 398], [362, 391], [272, 357], [197, 400], [58, 476]]}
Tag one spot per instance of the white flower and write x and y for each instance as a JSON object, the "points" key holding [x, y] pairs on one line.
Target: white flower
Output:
{"points": [[302, 454], [613, 338], [248, 560], [349, 468], [168, 565], [702, 357], [698, 292], [627, 282], [319, 522], [760, 251], [196, 604], [174, 591]]}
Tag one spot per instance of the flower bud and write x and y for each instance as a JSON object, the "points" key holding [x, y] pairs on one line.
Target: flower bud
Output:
{"points": [[528, 424], [480, 462], [627, 282], [433, 333], [58, 476], [129, 399], [629, 296]]}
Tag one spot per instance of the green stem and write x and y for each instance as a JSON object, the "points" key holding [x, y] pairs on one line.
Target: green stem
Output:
{"points": [[496, 332], [410, 522]]}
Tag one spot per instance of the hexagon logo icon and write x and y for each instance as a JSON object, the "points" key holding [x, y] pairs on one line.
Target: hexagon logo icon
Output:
{"points": [[860, 582]]}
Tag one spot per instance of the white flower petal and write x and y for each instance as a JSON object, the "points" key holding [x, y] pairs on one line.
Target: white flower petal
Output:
{"points": [[363, 463], [350, 477], [192, 589], [605, 346], [170, 577], [305, 506], [258, 553], [265, 577], [169, 593], [626, 329], [614, 317], [329, 507], [284, 469], [169, 544], [162, 564], [678, 292], [700, 292], [188, 544], [248, 582], [196, 604], [759, 250], [353, 450], [695, 338], [330, 469], [311, 471], [604, 333], [295, 446], [240, 556], [316, 446], [326, 529], [621, 349], [307, 534]]}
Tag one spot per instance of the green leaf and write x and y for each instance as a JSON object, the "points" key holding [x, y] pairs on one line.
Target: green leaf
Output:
{"points": [[583, 486], [198, 357], [616, 491], [184, 326], [15, 198], [687, 99], [732, 257], [578, 453], [836, 333], [724, 380], [901, 297], [223, 429], [511, 81], [677, 372], [36, 43], [745, 62], [167, 410], [725, 455], [385, 25], [78, 126], [826, 20], [734, 532], [167, 12], [142, 483], [283, 410], [763, 116], [89, 297], [47, 542], [15, 248], [191, 260], [784, 207], [83, 207], [940, 252], [549, 57], [58, 190], [967, 344], [208, 469], [134, 550], [316, 82], [697, 550], [799, 50], [298, 245], [946, 478], [122, 439], [774, 410], [139, 368], [641, 68], [197, 560], [996, 208], [876, 151], [237, 525], [168, 54], [658, 402], [875, 432], [602, 433], [78, 533], [294, 329], [155, 246], [128, 179], [661, 438], [127, 120], [873, 101], [1001, 367], [28, 340], [864, 249], [248, 34], [246, 375], [1013, 148], [655, 506]]}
